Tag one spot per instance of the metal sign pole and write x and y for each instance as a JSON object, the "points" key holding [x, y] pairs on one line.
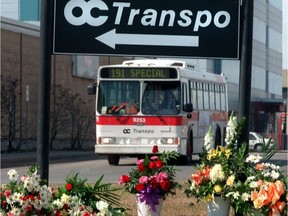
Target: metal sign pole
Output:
{"points": [[245, 67], [44, 87]]}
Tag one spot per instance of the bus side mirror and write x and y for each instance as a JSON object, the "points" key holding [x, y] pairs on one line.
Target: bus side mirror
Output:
{"points": [[91, 89], [188, 107]]}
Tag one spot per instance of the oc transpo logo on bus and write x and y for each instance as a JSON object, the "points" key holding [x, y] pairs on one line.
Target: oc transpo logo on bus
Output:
{"points": [[126, 131], [181, 25]]}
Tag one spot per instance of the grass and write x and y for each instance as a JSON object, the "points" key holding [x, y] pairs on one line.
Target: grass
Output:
{"points": [[178, 205]]}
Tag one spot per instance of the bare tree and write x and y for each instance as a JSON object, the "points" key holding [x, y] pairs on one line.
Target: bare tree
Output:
{"points": [[80, 121], [59, 115], [8, 112]]}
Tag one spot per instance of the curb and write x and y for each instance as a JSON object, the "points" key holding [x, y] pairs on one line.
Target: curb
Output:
{"points": [[30, 158]]}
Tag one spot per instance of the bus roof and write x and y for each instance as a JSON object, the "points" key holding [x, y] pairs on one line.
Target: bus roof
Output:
{"points": [[158, 62]]}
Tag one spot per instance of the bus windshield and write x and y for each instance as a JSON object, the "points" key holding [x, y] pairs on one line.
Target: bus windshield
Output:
{"points": [[161, 98], [116, 97]]}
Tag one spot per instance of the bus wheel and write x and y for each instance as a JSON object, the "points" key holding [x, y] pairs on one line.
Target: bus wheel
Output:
{"points": [[187, 159], [113, 159]]}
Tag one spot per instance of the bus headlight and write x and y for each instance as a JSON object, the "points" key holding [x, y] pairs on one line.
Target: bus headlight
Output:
{"points": [[170, 141], [106, 140]]}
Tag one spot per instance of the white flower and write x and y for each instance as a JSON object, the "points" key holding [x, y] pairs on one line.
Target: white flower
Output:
{"points": [[208, 140], [236, 195], [231, 129], [65, 199], [250, 178], [245, 196], [274, 174], [216, 173], [253, 184], [253, 158], [103, 207], [13, 175]]}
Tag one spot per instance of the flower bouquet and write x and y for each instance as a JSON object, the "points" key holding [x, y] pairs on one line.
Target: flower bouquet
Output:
{"points": [[153, 179], [230, 173], [263, 190], [29, 195], [217, 170], [76, 197], [26, 196]]}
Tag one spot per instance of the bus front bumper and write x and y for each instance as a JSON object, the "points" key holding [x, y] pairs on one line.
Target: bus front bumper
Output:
{"points": [[136, 149]]}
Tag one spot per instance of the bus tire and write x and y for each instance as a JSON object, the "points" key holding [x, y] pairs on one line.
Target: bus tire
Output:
{"points": [[113, 159], [187, 159], [217, 141]]}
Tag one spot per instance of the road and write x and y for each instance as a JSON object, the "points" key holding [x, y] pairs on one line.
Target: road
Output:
{"points": [[90, 166]]}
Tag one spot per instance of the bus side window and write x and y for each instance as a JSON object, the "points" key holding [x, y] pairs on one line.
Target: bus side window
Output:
{"points": [[206, 96], [212, 96], [223, 100], [217, 97], [194, 94], [200, 95]]}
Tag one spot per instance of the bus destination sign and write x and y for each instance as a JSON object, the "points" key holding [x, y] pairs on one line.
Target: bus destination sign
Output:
{"points": [[138, 73], [174, 28]]}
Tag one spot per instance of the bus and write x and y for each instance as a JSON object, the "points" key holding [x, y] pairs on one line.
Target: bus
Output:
{"points": [[168, 103]]}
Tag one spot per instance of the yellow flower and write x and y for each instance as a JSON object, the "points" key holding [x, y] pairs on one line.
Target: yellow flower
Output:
{"points": [[209, 198], [230, 181], [217, 188], [228, 153], [213, 153]]}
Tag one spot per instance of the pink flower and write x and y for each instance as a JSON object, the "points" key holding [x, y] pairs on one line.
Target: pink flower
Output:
{"points": [[143, 179], [140, 161], [154, 158], [7, 193], [161, 177]]}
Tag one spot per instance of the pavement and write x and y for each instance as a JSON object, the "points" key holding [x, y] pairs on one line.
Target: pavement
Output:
{"points": [[29, 158], [17, 159]]}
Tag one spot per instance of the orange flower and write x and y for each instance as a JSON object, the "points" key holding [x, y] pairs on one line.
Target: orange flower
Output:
{"points": [[274, 211], [258, 198], [197, 178], [259, 183], [260, 166], [280, 205], [206, 172], [275, 190]]}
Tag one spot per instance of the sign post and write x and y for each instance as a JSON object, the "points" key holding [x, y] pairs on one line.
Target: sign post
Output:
{"points": [[246, 68], [44, 88]]}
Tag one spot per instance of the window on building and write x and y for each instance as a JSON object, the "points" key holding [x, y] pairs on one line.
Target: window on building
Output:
{"points": [[30, 10], [85, 66]]}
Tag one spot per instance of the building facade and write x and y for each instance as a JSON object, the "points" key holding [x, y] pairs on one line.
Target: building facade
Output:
{"points": [[267, 78]]}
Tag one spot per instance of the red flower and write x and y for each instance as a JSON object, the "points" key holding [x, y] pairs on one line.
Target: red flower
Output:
{"points": [[141, 167], [153, 183], [159, 164], [125, 178], [152, 165], [3, 203], [69, 187], [65, 206], [165, 185], [29, 208], [139, 187], [155, 149]]}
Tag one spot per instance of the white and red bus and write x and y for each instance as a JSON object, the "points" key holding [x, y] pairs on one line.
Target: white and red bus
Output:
{"points": [[168, 103]]}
